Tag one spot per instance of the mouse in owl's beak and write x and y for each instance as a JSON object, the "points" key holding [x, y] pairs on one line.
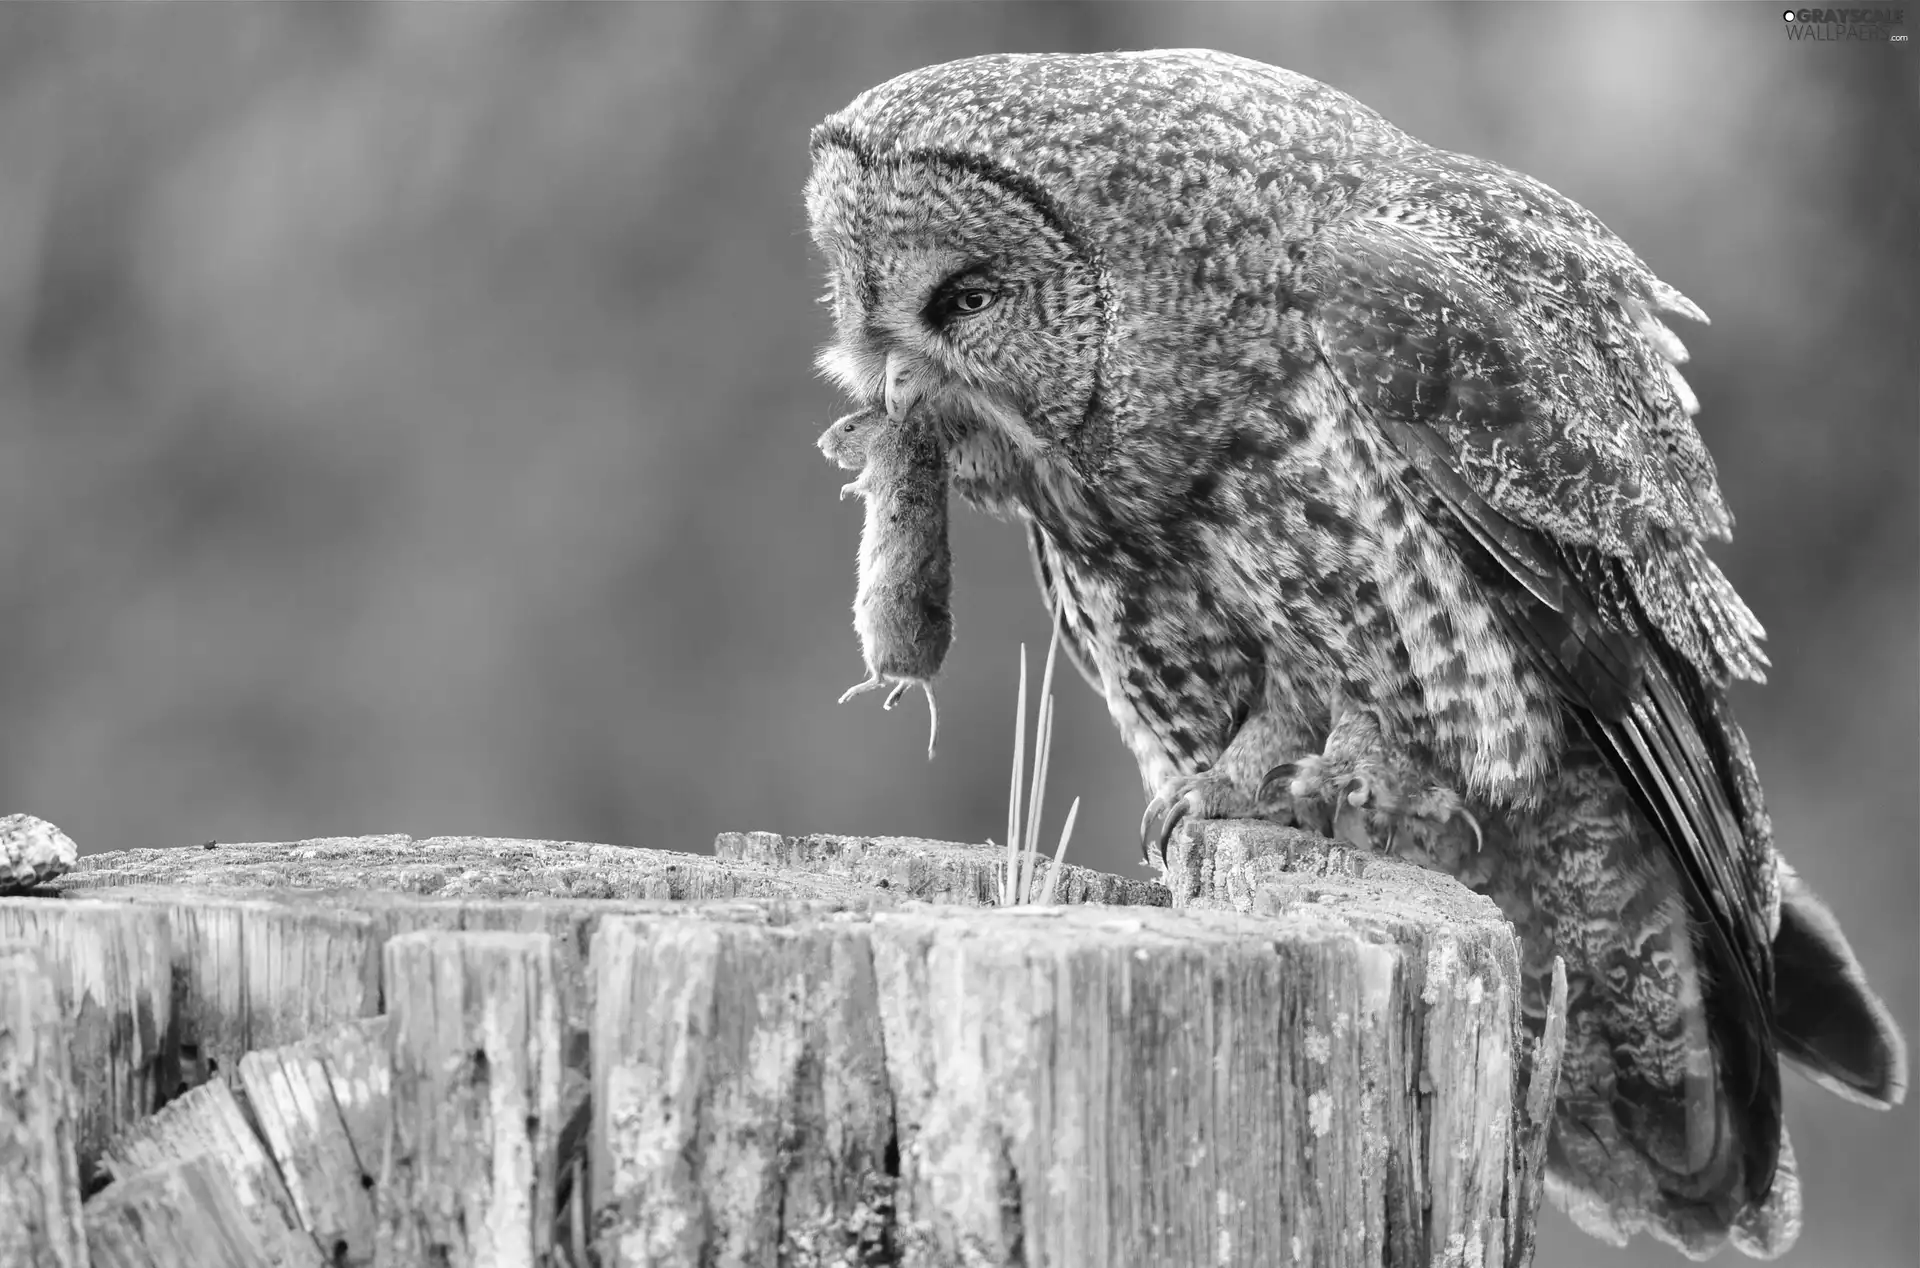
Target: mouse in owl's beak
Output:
{"points": [[902, 608]]}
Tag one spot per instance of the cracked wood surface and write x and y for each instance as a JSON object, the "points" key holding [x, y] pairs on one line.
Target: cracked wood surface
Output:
{"points": [[1314, 1058], [39, 1172]]}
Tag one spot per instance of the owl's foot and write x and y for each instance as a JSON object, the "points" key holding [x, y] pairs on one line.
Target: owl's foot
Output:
{"points": [[900, 688], [1373, 798], [1206, 795]]}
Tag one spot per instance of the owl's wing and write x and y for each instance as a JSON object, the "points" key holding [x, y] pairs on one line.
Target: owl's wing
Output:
{"points": [[1505, 342]]}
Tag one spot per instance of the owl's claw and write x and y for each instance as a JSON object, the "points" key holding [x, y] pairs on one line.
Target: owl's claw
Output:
{"points": [[1206, 795], [1479, 840], [1162, 816], [1281, 775]]}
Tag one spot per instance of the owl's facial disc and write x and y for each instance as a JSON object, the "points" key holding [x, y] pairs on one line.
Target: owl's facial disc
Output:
{"points": [[953, 294]]}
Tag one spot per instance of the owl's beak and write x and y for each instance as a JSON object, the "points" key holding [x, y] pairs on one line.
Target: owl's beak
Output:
{"points": [[904, 385]]}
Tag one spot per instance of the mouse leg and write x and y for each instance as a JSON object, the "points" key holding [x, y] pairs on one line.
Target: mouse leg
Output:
{"points": [[900, 688], [873, 683]]}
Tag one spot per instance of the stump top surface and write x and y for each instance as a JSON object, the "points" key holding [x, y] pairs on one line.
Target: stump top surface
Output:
{"points": [[1233, 877], [937, 870], [498, 868]]}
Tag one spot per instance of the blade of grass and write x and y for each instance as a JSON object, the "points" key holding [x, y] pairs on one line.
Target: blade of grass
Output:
{"points": [[1043, 744], [1060, 855], [1013, 796], [1042, 754]]}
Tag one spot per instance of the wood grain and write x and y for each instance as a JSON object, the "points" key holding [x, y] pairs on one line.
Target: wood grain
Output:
{"points": [[182, 1215], [39, 1172], [473, 1036], [292, 1100], [111, 964], [741, 1108], [208, 1120]]}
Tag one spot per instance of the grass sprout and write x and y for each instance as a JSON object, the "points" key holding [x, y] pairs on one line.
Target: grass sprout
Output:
{"points": [[1023, 851]]}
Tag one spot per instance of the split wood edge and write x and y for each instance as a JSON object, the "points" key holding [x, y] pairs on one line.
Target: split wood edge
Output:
{"points": [[857, 992]]}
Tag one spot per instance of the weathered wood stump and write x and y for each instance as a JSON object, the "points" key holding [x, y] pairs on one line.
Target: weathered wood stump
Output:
{"points": [[481, 1051], [741, 1105], [208, 1121], [39, 1172], [931, 871], [473, 1041], [110, 967], [177, 1215], [303, 1125]]}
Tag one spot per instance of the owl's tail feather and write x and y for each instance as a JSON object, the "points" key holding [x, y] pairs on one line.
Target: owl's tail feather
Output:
{"points": [[1831, 1024]]}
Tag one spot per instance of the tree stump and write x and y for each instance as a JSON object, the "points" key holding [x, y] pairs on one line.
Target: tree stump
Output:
{"points": [[474, 1044], [301, 1122], [39, 1171], [931, 871], [1260, 868], [208, 1121], [111, 968], [740, 1098], [179, 1215], [1312, 1057]]}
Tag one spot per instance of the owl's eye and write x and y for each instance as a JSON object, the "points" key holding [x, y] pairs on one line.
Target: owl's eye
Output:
{"points": [[962, 300]]}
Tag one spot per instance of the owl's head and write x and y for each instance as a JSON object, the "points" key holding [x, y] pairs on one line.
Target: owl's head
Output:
{"points": [[954, 283], [1053, 251]]}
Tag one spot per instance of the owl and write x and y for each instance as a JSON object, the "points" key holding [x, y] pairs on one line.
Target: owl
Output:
{"points": [[1364, 484]]}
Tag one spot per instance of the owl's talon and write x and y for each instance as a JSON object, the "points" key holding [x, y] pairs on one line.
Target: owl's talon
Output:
{"points": [[1163, 815], [1479, 841], [1206, 794], [1282, 774]]}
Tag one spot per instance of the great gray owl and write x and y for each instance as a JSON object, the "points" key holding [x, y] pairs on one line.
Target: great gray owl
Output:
{"points": [[1366, 466]]}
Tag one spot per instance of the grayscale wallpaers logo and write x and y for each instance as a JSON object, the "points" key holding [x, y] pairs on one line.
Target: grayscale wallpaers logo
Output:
{"points": [[1860, 25]]}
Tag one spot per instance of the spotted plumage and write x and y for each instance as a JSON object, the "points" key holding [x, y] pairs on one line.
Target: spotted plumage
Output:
{"points": [[1341, 453]]}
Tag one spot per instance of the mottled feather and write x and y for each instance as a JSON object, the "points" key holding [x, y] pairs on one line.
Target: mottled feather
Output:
{"points": [[1334, 446]]}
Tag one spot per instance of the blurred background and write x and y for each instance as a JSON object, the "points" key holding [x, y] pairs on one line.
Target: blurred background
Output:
{"points": [[406, 422]]}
